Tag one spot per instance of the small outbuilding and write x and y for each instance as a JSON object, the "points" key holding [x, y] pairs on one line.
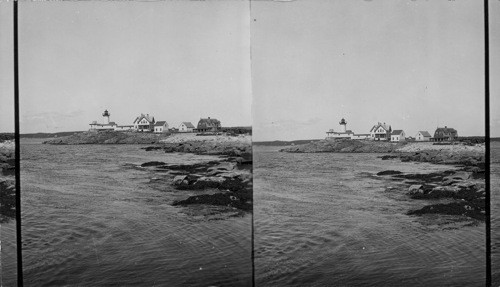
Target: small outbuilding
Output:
{"points": [[423, 136], [161, 127], [186, 127], [398, 136]]}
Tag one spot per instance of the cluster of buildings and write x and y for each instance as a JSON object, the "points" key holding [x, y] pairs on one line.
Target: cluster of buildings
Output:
{"points": [[384, 132], [147, 123]]}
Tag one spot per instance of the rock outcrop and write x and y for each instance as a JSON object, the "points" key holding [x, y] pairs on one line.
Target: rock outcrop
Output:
{"points": [[7, 181], [345, 146], [228, 181], [466, 193], [107, 137]]}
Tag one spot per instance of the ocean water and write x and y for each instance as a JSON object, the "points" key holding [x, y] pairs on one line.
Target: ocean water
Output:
{"points": [[90, 218], [495, 212], [8, 256], [325, 220]]}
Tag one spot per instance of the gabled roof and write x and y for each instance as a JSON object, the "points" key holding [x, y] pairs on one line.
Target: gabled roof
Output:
{"points": [[397, 132], [142, 116], [159, 123], [446, 130], [384, 126], [208, 123], [425, 133], [188, 125]]}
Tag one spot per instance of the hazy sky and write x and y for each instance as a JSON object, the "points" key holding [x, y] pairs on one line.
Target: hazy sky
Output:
{"points": [[6, 68], [175, 60], [412, 64]]}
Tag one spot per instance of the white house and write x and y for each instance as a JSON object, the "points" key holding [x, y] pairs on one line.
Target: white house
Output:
{"points": [[423, 136], [186, 127], [398, 136], [144, 123], [161, 127], [381, 132]]}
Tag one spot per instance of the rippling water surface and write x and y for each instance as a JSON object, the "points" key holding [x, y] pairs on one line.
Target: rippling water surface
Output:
{"points": [[495, 212], [325, 220], [89, 218]]}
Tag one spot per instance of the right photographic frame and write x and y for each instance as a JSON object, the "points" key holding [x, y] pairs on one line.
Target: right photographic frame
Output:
{"points": [[369, 143]]}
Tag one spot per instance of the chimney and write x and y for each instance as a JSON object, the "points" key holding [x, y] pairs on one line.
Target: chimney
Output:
{"points": [[445, 127], [208, 117]]}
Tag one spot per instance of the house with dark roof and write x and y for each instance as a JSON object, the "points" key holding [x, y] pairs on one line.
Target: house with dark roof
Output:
{"points": [[398, 136], [161, 127], [144, 123], [186, 127], [208, 125], [381, 132], [423, 136], [445, 134]]}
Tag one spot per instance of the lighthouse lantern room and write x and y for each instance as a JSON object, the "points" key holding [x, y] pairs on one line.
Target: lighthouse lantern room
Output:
{"points": [[343, 125], [106, 114]]}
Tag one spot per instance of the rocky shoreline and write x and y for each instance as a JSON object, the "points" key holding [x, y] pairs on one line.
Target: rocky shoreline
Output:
{"points": [[225, 183], [464, 191], [345, 146], [7, 181], [107, 137], [459, 191], [463, 187]]}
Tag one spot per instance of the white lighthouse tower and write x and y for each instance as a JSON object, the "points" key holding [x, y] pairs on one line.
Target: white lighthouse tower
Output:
{"points": [[343, 125], [106, 114]]}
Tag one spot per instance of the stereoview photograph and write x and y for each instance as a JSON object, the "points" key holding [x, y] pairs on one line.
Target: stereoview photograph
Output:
{"points": [[369, 153], [136, 156]]}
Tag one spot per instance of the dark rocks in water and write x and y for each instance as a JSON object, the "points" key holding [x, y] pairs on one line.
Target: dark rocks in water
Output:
{"points": [[386, 157], [8, 169], [190, 168], [233, 184], [454, 208], [220, 199], [7, 163], [242, 161], [8, 200], [180, 180], [152, 163], [207, 182], [150, 148], [463, 158], [389, 172], [233, 149], [467, 193], [426, 177]]}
